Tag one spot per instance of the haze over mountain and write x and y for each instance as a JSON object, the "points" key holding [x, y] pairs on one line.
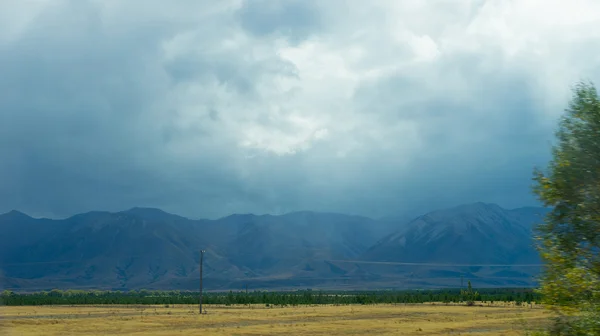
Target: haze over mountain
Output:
{"points": [[149, 248], [469, 234]]}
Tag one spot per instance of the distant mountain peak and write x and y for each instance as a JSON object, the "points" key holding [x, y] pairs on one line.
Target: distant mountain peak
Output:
{"points": [[16, 214], [470, 208], [240, 215], [479, 206], [152, 214], [146, 209], [308, 213], [468, 233]]}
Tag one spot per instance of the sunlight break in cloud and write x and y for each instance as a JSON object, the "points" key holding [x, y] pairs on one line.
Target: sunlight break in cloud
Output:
{"points": [[205, 108]]}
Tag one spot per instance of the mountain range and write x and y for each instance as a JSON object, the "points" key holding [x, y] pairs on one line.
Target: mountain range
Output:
{"points": [[149, 248]]}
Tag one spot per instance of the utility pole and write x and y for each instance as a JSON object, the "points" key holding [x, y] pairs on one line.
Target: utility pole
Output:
{"points": [[201, 259]]}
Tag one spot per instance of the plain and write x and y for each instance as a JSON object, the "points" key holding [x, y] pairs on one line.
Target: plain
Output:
{"points": [[400, 319]]}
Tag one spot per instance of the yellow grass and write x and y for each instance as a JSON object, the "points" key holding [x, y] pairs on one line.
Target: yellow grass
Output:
{"points": [[399, 319]]}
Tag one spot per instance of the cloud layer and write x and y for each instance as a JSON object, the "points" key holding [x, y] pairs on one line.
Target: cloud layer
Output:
{"points": [[207, 108]]}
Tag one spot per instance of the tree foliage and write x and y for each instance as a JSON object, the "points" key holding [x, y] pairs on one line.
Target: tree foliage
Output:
{"points": [[304, 297], [569, 238], [469, 295]]}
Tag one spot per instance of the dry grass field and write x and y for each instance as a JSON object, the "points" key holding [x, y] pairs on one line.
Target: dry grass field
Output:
{"points": [[425, 319]]}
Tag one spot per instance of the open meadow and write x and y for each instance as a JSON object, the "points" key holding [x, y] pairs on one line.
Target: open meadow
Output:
{"points": [[388, 319]]}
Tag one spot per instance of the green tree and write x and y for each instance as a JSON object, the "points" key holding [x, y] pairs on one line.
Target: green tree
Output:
{"points": [[569, 237], [469, 295]]}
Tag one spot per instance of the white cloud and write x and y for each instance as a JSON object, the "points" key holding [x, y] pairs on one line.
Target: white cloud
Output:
{"points": [[329, 105]]}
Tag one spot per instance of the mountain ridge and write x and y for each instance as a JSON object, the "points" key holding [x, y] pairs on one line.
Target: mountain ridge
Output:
{"points": [[150, 248]]}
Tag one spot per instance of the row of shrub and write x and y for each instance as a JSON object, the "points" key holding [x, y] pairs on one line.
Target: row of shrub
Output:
{"points": [[304, 297]]}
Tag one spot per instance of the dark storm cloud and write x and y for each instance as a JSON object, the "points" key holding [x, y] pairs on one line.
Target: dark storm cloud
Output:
{"points": [[209, 108], [483, 147], [66, 105], [295, 19], [74, 101]]}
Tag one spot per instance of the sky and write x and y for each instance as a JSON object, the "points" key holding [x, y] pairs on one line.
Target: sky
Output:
{"points": [[208, 108]]}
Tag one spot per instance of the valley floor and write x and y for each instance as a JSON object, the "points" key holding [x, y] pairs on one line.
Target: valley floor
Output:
{"points": [[423, 319]]}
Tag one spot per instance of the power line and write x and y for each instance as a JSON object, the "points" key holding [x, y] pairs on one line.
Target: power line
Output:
{"points": [[201, 260], [71, 261], [298, 259], [341, 278], [381, 287], [433, 264], [398, 277]]}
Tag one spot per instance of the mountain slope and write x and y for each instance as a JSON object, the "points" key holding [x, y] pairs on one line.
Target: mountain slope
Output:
{"points": [[470, 234], [149, 248], [475, 234], [101, 248]]}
